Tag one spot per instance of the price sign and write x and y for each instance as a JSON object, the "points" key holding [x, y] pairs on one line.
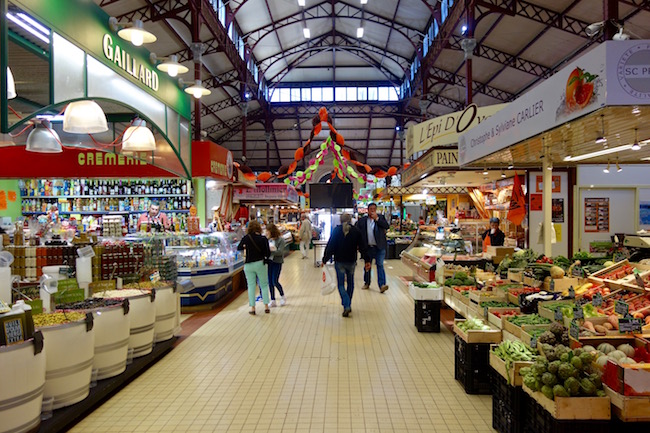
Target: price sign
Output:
{"points": [[489, 267], [578, 271], [533, 342], [552, 286], [13, 330], [639, 280], [100, 286], [572, 292], [621, 308], [558, 315], [67, 284], [581, 301], [70, 295], [155, 277], [578, 313], [597, 300], [574, 330], [629, 324]]}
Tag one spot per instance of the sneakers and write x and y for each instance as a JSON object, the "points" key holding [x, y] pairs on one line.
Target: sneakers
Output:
{"points": [[366, 286], [258, 298], [283, 301], [383, 288], [346, 312], [272, 303]]}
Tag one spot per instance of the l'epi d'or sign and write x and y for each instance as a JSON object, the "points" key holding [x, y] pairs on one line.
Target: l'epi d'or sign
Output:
{"points": [[123, 59]]}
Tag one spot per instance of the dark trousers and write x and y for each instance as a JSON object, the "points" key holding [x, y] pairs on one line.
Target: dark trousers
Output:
{"points": [[274, 279]]}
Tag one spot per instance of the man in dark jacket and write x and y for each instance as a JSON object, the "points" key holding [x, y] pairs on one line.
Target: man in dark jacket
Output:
{"points": [[343, 245], [373, 230]]}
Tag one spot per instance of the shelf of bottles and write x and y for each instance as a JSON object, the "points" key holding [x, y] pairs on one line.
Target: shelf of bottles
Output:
{"points": [[100, 196]]}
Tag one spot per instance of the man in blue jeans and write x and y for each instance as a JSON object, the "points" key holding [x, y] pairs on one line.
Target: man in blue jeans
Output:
{"points": [[373, 230], [343, 245]]}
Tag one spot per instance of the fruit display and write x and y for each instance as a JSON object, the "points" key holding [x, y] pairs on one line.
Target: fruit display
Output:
{"points": [[623, 354], [588, 291], [146, 285], [473, 323], [59, 318], [514, 351], [570, 375], [618, 273], [465, 289], [506, 313], [460, 279], [622, 295]]}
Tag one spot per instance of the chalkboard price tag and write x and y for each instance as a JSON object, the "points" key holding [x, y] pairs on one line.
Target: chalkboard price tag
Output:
{"points": [[582, 301], [489, 267], [533, 342], [552, 285], [578, 313], [621, 308], [629, 324], [639, 280], [13, 330], [578, 271], [597, 300], [572, 292], [574, 330], [558, 315]]}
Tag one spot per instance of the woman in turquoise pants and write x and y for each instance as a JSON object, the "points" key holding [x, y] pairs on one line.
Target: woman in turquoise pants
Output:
{"points": [[257, 251]]}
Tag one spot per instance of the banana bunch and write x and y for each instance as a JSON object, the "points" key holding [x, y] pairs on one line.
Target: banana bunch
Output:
{"points": [[514, 351], [580, 290]]}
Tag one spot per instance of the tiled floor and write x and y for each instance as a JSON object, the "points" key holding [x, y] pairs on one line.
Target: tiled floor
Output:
{"points": [[303, 368]]}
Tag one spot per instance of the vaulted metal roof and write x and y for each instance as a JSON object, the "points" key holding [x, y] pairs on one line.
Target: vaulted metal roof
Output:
{"points": [[518, 43]]}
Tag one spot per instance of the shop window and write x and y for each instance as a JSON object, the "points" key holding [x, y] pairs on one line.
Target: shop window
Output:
{"points": [[295, 94], [316, 94], [340, 94], [372, 93], [328, 94], [351, 93], [362, 94], [306, 94]]}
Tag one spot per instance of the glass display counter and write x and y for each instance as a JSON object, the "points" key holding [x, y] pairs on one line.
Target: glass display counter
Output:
{"points": [[447, 243]]}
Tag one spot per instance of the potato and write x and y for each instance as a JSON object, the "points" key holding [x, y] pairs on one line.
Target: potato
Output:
{"points": [[600, 329], [608, 326]]}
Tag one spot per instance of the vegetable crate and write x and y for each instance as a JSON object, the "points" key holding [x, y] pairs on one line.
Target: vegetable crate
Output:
{"points": [[539, 420], [630, 409], [572, 408], [508, 410], [427, 316], [497, 321], [476, 335], [472, 366], [510, 375]]}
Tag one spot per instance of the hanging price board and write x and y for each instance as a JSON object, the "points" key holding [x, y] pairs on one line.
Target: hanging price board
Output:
{"points": [[621, 308], [578, 313], [597, 300], [578, 271], [629, 324], [572, 292], [582, 301], [574, 330], [533, 342], [552, 286], [639, 280], [558, 315]]}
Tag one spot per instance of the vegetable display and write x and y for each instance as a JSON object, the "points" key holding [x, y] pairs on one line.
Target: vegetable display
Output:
{"points": [[513, 351], [431, 285], [53, 319], [473, 323], [556, 335], [528, 319], [497, 304], [460, 279]]}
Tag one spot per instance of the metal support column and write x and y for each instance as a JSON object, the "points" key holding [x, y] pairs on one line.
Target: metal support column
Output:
{"points": [[470, 23], [610, 16], [547, 204], [196, 39]]}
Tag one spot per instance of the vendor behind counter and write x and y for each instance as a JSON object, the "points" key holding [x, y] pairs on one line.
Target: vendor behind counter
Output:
{"points": [[494, 236]]}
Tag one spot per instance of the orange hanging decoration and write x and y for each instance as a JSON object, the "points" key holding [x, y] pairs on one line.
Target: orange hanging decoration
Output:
{"points": [[249, 176], [283, 171], [264, 176], [322, 114], [300, 154], [367, 167], [317, 129], [391, 171], [306, 195], [332, 129], [339, 139], [346, 154], [292, 167], [380, 174], [407, 165]]}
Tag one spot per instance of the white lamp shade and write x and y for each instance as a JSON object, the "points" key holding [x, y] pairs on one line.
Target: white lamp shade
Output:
{"points": [[136, 34], [11, 85], [43, 139], [138, 138], [84, 117], [197, 90], [172, 67]]}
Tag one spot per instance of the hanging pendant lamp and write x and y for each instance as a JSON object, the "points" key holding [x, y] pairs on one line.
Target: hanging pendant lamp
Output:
{"points": [[43, 139], [138, 138], [84, 117]]}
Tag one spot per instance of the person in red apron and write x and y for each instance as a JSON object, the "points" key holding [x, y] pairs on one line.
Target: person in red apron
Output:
{"points": [[494, 236]]}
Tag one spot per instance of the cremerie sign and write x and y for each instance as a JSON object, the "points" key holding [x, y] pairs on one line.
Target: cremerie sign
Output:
{"points": [[445, 130], [123, 59]]}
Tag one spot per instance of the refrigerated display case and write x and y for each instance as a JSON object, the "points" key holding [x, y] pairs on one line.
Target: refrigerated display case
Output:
{"points": [[447, 243]]}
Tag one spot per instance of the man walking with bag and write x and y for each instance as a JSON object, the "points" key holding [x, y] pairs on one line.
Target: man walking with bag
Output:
{"points": [[373, 230], [343, 245], [305, 234]]}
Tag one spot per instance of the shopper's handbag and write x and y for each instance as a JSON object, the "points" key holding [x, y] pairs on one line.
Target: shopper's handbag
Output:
{"points": [[329, 284], [267, 260]]}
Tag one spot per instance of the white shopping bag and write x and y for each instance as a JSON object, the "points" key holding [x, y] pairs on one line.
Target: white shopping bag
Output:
{"points": [[328, 284]]}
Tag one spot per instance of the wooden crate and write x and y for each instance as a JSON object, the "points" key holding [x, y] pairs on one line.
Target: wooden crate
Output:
{"points": [[525, 337], [510, 374], [547, 313], [457, 306], [516, 274], [567, 408], [532, 282], [496, 321], [478, 296], [474, 311], [513, 329], [476, 336], [629, 409], [618, 284], [485, 276]]}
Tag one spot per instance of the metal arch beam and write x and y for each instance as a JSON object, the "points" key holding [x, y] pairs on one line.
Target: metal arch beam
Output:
{"points": [[235, 122], [319, 11], [640, 4], [503, 58], [440, 75], [221, 105], [159, 10], [211, 47], [558, 20]]}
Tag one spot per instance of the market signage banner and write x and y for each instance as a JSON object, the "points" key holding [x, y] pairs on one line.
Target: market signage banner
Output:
{"points": [[267, 192], [431, 161], [628, 66], [211, 160], [576, 90], [445, 130], [17, 163]]}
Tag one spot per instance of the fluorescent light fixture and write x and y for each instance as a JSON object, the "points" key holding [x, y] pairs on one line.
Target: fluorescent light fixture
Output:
{"points": [[172, 67], [301, 3], [29, 27], [601, 152], [306, 33], [503, 175], [34, 23], [606, 170], [43, 139], [568, 158], [136, 33], [550, 167], [84, 117], [359, 32], [197, 90], [423, 176], [138, 138], [11, 85]]}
